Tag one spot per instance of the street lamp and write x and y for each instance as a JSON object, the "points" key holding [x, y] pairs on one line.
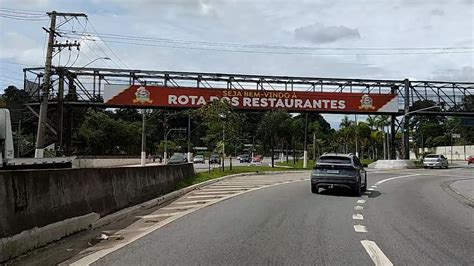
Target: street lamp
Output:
{"points": [[99, 58], [405, 129], [223, 116], [166, 141]]}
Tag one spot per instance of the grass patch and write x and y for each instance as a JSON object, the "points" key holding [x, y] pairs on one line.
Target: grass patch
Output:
{"points": [[217, 172], [297, 165], [366, 162]]}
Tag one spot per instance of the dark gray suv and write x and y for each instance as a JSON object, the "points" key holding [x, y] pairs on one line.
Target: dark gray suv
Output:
{"points": [[339, 170]]}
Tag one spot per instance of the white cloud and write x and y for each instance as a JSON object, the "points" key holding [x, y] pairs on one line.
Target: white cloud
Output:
{"points": [[319, 33]]}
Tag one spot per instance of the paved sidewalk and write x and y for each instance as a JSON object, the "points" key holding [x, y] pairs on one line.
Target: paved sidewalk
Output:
{"points": [[464, 187]]}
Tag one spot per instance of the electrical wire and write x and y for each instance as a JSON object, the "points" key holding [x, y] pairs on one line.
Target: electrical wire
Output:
{"points": [[23, 18], [263, 46], [116, 56], [289, 52]]}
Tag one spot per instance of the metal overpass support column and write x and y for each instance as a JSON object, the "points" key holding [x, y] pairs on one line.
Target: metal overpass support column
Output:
{"points": [[406, 120], [392, 137]]}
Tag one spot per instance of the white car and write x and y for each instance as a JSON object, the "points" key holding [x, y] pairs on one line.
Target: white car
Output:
{"points": [[198, 159], [435, 160]]}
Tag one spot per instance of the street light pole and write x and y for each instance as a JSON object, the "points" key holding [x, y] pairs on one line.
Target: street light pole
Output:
{"points": [[406, 127], [143, 154], [166, 141], [305, 152]]}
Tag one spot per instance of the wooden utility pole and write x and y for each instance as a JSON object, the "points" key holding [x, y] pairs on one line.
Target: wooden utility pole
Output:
{"points": [[39, 151]]}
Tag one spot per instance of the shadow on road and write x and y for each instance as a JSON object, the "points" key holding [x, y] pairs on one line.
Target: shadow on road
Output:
{"points": [[343, 192]]}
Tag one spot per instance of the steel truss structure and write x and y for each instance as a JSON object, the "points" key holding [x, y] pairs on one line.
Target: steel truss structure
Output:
{"points": [[74, 86]]}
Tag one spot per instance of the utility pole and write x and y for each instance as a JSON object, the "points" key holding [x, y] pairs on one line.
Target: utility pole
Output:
{"points": [[39, 151], [143, 153], [189, 138], [305, 152]]}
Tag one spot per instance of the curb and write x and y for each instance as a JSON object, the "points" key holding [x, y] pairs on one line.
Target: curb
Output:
{"points": [[116, 216], [465, 199]]}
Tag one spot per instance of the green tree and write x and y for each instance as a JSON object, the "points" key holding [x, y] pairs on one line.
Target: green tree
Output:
{"points": [[223, 125], [274, 128]]}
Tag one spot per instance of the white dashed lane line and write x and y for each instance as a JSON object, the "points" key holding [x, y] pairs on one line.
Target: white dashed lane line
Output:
{"points": [[360, 201], [357, 216], [360, 228], [375, 253], [358, 208]]}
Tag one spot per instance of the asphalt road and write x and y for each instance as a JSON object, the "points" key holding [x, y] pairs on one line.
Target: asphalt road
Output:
{"points": [[414, 220]]}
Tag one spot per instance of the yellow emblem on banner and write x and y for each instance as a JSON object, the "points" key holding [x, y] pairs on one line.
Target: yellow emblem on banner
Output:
{"points": [[142, 95]]}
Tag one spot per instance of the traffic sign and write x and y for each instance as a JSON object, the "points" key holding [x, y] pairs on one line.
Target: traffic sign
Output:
{"points": [[456, 136]]}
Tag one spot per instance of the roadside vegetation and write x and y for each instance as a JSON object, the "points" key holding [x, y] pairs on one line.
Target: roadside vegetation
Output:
{"points": [[217, 172], [217, 127]]}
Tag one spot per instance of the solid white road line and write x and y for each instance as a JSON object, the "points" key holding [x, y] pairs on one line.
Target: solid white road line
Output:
{"points": [[181, 207], [357, 216], [375, 253], [360, 228], [205, 196], [193, 202], [223, 189], [216, 192], [361, 201], [358, 208], [153, 216], [393, 178]]}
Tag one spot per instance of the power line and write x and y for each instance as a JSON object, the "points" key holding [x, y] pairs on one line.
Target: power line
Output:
{"points": [[22, 11], [266, 46], [283, 52], [23, 18], [98, 46], [120, 60]]}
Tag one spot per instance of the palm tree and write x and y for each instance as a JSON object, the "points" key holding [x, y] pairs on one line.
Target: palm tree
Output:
{"points": [[381, 122], [372, 121]]}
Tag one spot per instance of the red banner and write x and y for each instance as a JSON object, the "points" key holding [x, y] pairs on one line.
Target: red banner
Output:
{"points": [[161, 96]]}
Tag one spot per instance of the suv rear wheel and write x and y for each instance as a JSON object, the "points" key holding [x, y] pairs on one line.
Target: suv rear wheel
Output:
{"points": [[364, 188], [315, 189], [357, 190]]}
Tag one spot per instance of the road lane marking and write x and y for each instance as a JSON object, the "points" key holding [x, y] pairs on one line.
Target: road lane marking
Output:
{"points": [[96, 255], [223, 189], [160, 215], [357, 216], [216, 192], [185, 207], [360, 228], [375, 253], [394, 178], [193, 201], [373, 186], [207, 196], [371, 189], [361, 201], [358, 208]]}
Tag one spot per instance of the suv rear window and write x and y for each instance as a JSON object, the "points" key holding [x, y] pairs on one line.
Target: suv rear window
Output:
{"points": [[335, 159], [432, 156]]}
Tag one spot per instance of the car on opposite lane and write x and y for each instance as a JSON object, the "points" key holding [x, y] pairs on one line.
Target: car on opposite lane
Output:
{"points": [[470, 160], [339, 170], [177, 159], [435, 160], [245, 158], [214, 159], [199, 159]]}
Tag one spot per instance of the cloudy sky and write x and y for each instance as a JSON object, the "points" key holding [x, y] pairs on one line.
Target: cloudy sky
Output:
{"points": [[351, 39]]}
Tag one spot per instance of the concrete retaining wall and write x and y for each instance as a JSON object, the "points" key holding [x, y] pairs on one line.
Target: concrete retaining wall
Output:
{"points": [[92, 162], [34, 199], [460, 153]]}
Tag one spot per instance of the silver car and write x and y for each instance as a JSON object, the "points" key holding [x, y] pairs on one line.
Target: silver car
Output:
{"points": [[435, 160]]}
